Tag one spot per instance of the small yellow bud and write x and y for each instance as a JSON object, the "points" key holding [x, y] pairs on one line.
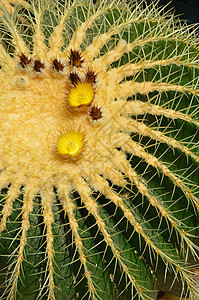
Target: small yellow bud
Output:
{"points": [[81, 94], [70, 143]]}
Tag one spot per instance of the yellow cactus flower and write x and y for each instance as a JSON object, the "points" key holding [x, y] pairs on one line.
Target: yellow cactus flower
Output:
{"points": [[71, 143], [81, 94]]}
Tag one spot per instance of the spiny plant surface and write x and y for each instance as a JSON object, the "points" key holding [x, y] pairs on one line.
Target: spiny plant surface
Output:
{"points": [[99, 116]]}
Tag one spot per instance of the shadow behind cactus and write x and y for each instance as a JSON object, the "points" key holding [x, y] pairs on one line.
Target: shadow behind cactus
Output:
{"points": [[99, 151]]}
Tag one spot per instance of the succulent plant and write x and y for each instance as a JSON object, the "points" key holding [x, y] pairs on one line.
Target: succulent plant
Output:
{"points": [[99, 105]]}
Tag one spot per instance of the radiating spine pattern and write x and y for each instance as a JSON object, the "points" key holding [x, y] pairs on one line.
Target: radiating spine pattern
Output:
{"points": [[99, 118]]}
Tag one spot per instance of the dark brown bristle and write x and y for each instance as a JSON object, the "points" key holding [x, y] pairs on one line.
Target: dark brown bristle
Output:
{"points": [[75, 58], [74, 78], [95, 113], [90, 77], [24, 60], [57, 65], [38, 65]]}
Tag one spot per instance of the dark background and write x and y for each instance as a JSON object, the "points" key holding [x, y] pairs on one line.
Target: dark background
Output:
{"points": [[187, 9]]}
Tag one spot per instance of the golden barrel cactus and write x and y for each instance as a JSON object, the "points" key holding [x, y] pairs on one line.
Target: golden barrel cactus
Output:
{"points": [[99, 118]]}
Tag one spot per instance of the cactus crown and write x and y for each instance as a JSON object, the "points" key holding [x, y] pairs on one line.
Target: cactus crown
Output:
{"points": [[99, 151]]}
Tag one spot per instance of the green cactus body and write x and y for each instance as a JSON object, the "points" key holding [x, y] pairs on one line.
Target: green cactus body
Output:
{"points": [[99, 151]]}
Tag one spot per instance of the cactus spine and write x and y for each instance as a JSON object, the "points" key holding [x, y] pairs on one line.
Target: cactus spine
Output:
{"points": [[99, 151]]}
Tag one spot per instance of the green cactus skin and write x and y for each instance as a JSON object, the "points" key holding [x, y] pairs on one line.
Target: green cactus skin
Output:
{"points": [[118, 218]]}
